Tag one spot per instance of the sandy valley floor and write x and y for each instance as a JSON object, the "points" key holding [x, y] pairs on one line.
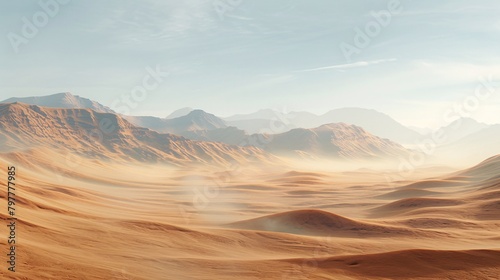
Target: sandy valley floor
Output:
{"points": [[97, 220]]}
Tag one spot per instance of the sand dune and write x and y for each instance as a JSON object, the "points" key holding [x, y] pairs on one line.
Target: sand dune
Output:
{"points": [[410, 204], [321, 223], [431, 184], [100, 220], [425, 264], [438, 223], [408, 193], [485, 169]]}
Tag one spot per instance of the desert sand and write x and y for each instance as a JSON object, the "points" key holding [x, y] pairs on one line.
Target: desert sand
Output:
{"points": [[95, 219]]}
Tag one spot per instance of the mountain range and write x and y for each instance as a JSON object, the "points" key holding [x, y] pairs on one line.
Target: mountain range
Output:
{"points": [[62, 100], [108, 136], [264, 121], [475, 147], [372, 121], [337, 140], [340, 133], [461, 128], [195, 120]]}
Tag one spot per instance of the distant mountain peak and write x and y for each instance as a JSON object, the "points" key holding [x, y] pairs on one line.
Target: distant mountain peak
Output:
{"points": [[65, 100], [334, 126], [197, 112], [180, 113], [64, 94], [371, 120], [337, 140], [469, 121], [196, 120], [461, 128]]}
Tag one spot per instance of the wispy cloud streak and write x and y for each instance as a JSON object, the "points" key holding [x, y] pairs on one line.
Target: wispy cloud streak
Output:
{"points": [[349, 65]]}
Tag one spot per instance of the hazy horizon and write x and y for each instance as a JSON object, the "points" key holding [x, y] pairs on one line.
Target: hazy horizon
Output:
{"points": [[279, 110]]}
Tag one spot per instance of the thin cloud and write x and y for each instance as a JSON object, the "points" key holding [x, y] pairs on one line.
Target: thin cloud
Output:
{"points": [[341, 67]]}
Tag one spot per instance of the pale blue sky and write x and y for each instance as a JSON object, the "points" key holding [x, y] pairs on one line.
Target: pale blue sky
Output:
{"points": [[259, 54]]}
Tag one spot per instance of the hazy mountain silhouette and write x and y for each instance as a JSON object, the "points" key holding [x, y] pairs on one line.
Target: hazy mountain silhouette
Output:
{"points": [[180, 113], [332, 140], [337, 140], [266, 121], [195, 120], [461, 128], [261, 126], [372, 121], [62, 100], [474, 147], [264, 114]]}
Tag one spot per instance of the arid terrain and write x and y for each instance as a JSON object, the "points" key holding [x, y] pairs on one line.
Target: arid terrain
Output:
{"points": [[95, 219], [98, 197], [250, 140]]}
